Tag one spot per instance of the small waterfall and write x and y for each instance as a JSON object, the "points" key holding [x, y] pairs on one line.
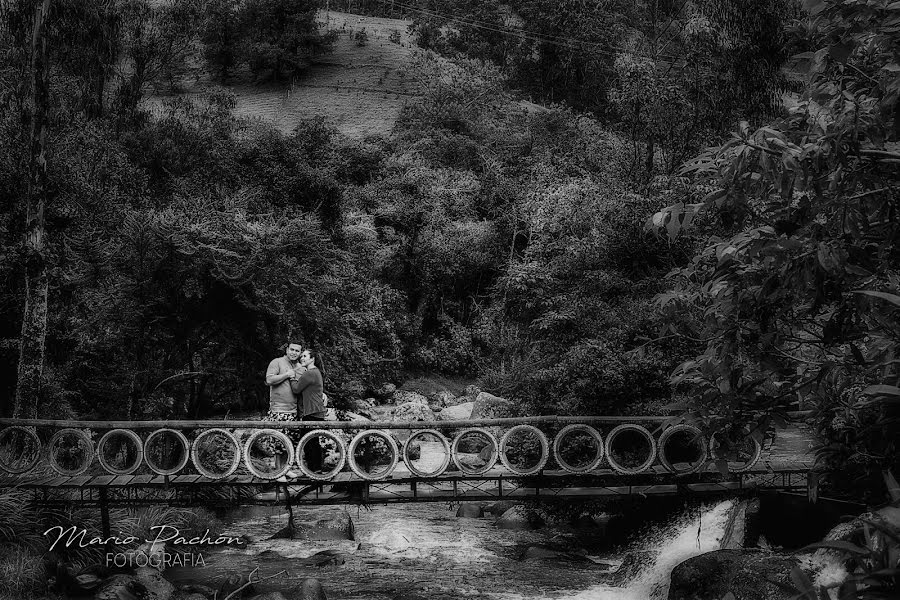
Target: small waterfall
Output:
{"points": [[685, 539]]}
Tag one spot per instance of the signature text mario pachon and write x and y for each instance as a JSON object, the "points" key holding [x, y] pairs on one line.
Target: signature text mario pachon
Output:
{"points": [[163, 534]]}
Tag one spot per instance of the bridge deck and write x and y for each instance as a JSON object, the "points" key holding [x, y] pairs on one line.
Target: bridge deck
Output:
{"points": [[401, 486]]}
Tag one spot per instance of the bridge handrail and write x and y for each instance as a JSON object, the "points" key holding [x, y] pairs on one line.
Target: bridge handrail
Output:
{"points": [[257, 424]]}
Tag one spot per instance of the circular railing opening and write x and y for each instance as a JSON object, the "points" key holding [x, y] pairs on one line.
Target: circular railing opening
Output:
{"points": [[373, 454], [321, 454], [682, 449], [70, 451], [166, 451], [474, 451], [736, 454], [524, 450], [20, 449], [268, 454], [120, 451], [216, 453], [630, 449], [426, 453], [578, 448]]}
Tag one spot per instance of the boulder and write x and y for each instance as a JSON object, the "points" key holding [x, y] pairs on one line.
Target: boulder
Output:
{"points": [[472, 391], [460, 412], [488, 406], [472, 461], [744, 573], [326, 558], [499, 507], [404, 397], [520, 517], [362, 406], [442, 399], [318, 525], [309, 589], [413, 411], [84, 583], [232, 582], [156, 586], [386, 391], [118, 587], [470, 511], [332, 414], [382, 413]]}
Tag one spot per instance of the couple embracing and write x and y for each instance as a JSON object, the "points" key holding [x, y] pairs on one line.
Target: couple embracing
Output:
{"points": [[296, 393]]}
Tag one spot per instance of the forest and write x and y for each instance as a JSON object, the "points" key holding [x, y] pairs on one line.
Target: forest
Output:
{"points": [[653, 207]]}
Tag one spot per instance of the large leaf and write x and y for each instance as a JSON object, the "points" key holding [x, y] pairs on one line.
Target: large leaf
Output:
{"points": [[882, 390], [836, 545], [892, 298], [892, 486]]}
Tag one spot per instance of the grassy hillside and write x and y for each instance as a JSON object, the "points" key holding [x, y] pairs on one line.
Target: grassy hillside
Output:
{"points": [[360, 89]]}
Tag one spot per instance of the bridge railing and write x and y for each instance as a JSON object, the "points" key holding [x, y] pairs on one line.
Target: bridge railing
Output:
{"points": [[319, 450]]}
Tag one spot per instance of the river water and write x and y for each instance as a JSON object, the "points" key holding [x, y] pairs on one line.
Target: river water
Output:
{"points": [[412, 551]]}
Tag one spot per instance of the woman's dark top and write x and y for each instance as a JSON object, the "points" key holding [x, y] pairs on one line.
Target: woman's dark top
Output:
{"points": [[309, 386]]}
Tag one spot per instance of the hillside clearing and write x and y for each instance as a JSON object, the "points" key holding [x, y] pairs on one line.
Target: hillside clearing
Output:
{"points": [[359, 89]]}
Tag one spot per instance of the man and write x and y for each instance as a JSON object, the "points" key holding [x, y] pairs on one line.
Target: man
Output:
{"points": [[282, 402]]}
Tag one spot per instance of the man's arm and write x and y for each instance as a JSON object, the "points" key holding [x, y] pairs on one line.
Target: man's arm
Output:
{"points": [[273, 377]]}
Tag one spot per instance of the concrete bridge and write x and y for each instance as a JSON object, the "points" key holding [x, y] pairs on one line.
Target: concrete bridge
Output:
{"points": [[232, 462]]}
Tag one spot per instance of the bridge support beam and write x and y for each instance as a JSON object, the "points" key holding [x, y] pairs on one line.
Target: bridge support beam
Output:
{"points": [[104, 512]]}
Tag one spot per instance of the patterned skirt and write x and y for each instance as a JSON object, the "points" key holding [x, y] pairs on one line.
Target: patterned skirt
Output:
{"points": [[293, 434]]}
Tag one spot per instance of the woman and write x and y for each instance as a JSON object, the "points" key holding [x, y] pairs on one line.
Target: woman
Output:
{"points": [[308, 388]]}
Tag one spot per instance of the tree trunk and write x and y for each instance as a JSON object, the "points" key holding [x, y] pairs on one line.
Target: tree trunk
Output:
{"points": [[34, 319]]}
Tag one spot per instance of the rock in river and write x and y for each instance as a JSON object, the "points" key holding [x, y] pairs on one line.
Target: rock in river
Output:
{"points": [[744, 573], [470, 510], [157, 586], [310, 589], [520, 517], [319, 524]]}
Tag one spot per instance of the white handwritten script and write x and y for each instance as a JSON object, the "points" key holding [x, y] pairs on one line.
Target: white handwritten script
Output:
{"points": [[164, 534]]}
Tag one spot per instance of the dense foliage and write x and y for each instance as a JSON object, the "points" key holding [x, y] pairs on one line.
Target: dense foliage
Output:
{"points": [[186, 245], [667, 74], [796, 295]]}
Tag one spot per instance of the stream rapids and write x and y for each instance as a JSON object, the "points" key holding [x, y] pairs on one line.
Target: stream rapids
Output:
{"points": [[413, 551]]}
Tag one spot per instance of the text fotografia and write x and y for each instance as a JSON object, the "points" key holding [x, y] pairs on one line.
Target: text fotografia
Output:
{"points": [[164, 534], [161, 560]]}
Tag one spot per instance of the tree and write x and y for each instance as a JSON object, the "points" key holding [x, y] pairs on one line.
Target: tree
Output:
{"points": [[34, 319], [221, 36], [156, 41], [281, 36], [796, 292]]}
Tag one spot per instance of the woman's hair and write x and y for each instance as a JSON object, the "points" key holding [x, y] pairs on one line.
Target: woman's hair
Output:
{"points": [[317, 359]]}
